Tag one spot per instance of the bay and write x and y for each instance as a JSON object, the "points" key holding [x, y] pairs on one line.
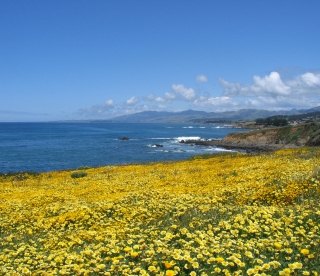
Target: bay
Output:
{"points": [[40, 147]]}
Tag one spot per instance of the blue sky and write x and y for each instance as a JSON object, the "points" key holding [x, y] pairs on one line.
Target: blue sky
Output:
{"points": [[97, 59]]}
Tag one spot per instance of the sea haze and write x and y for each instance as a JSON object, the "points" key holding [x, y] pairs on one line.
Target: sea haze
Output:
{"points": [[42, 147]]}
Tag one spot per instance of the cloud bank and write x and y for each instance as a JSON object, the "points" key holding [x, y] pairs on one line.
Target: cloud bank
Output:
{"points": [[272, 85], [272, 92], [186, 93], [264, 92], [202, 78]]}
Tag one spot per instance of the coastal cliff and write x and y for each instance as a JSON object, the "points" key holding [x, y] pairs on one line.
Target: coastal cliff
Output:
{"points": [[289, 136], [270, 138]]}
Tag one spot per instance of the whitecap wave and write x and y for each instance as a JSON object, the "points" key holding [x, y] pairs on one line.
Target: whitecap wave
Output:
{"points": [[187, 138], [224, 126], [154, 146], [219, 150], [188, 127]]}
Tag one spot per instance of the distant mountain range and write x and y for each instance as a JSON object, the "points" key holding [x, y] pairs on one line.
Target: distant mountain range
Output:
{"points": [[193, 116]]}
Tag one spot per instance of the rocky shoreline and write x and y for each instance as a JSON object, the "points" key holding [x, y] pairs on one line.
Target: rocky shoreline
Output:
{"points": [[222, 144], [265, 140]]}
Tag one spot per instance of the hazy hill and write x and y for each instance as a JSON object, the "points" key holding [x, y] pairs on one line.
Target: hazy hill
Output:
{"points": [[161, 117], [202, 116]]}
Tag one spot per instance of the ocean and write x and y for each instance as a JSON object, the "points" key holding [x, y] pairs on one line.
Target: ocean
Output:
{"points": [[40, 147]]}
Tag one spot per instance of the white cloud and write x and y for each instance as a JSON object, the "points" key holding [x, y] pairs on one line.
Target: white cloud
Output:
{"points": [[202, 78], [264, 92], [99, 110], [160, 100], [132, 101], [280, 102], [187, 93], [219, 102], [109, 103], [169, 96], [272, 92], [311, 79], [271, 84]]}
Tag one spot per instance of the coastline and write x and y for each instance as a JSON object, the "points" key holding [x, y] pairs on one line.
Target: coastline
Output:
{"points": [[252, 148], [59, 146], [267, 139]]}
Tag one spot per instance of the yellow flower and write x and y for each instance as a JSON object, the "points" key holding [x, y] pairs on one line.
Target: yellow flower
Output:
{"points": [[219, 259], [277, 245], [285, 272], [168, 265], [170, 272], [184, 231], [134, 254], [152, 268], [195, 264], [116, 221], [248, 254], [101, 266], [305, 251], [295, 265], [266, 266], [25, 270], [289, 250], [259, 261]]}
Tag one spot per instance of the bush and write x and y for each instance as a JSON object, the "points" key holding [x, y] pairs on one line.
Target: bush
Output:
{"points": [[78, 174], [273, 121], [19, 176]]}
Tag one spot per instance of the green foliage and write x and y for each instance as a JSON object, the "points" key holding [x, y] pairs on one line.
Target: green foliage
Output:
{"points": [[273, 121], [18, 176], [79, 174], [316, 172]]}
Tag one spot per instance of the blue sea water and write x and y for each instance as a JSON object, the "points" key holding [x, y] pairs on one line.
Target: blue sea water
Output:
{"points": [[42, 147]]}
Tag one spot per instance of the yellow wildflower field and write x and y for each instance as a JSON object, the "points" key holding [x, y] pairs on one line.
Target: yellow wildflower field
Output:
{"points": [[229, 214]]}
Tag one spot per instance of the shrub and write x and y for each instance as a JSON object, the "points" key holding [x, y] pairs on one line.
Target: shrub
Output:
{"points": [[273, 121], [78, 174], [19, 176]]}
